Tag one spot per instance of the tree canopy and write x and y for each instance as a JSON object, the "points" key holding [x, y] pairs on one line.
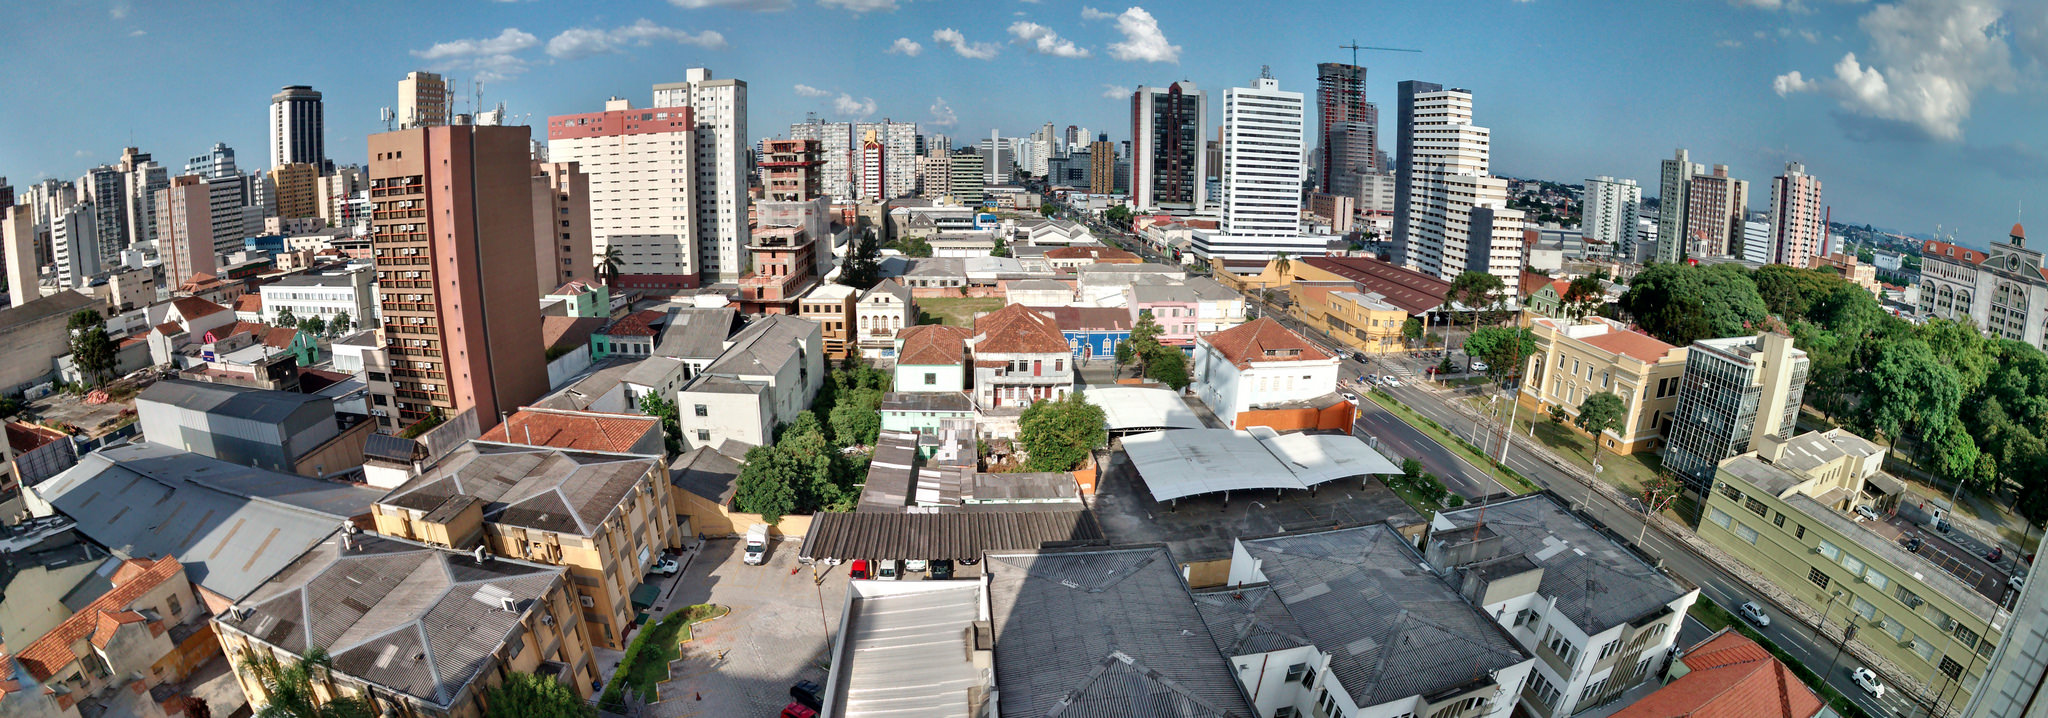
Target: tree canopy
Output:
{"points": [[1600, 412], [92, 349], [1502, 348], [1057, 434], [290, 688], [1681, 303], [525, 695]]}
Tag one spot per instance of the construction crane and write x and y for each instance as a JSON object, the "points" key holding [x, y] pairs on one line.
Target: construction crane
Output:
{"points": [[1354, 47]]}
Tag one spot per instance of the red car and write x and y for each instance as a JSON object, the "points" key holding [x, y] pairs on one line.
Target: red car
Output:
{"points": [[798, 710], [858, 569]]}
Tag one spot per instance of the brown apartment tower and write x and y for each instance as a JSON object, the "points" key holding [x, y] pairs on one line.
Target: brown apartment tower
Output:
{"points": [[453, 241]]}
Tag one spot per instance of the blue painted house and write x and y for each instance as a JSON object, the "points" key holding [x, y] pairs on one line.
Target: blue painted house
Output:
{"points": [[1092, 331]]}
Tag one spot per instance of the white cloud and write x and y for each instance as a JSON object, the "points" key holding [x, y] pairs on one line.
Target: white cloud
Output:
{"points": [[856, 108], [942, 113], [120, 11], [1045, 41], [81, 153], [755, 5], [1116, 92], [1089, 13], [1810, 36], [860, 5], [1143, 42], [137, 33], [578, 42], [1729, 43], [905, 46], [960, 45], [492, 58], [809, 91], [1928, 61]]}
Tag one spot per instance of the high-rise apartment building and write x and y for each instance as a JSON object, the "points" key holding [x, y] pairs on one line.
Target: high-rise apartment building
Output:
{"points": [[938, 145], [185, 229], [837, 148], [1348, 147], [998, 160], [1673, 177], [455, 270], [1799, 230], [422, 100], [1759, 243], [1611, 208], [297, 191], [297, 128], [644, 163], [1404, 162], [1456, 217], [1262, 163], [934, 176], [142, 177], [1715, 205], [967, 177], [18, 242], [6, 193], [1102, 166], [898, 158], [791, 170], [74, 244], [106, 188], [873, 166], [1735, 393], [561, 224], [719, 109], [1168, 166]]}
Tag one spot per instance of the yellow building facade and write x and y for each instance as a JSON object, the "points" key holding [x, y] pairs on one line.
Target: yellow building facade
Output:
{"points": [[1576, 359]]}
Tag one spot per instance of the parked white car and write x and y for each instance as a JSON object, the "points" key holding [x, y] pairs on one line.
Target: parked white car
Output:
{"points": [[665, 566], [1865, 513], [1390, 381]]}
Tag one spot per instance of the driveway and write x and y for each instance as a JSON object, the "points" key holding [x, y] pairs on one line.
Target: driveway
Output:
{"points": [[744, 663]]}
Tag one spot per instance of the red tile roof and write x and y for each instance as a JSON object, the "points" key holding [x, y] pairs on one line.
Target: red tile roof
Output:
{"points": [[193, 307], [1412, 291], [136, 576], [1262, 340], [1952, 252], [249, 303], [637, 324], [1531, 282], [582, 430], [2018, 231], [1016, 329], [929, 344], [273, 337], [1088, 318], [1630, 344], [1732, 677]]}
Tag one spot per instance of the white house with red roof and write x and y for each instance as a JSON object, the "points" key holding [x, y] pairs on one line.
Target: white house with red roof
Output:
{"points": [[1259, 363]]}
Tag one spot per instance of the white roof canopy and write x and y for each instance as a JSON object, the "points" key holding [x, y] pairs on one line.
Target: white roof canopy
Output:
{"points": [[1205, 461], [1126, 408]]}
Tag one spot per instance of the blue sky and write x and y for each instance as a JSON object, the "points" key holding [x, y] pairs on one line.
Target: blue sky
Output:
{"points": [[1913, 112]]}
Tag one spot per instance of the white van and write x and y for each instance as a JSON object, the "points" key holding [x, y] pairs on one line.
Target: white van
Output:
{"points": [[757, 544]]}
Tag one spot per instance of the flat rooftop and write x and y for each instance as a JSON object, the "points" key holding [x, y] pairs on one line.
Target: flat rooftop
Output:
{"points": [[1137, 408], [1597, 582], [904, 652]]}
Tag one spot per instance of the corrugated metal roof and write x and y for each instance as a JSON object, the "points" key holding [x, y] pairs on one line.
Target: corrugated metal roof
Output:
{"points": [[260, 405], [952, 535], [535, 487], [1187, 462], [905, 652]]}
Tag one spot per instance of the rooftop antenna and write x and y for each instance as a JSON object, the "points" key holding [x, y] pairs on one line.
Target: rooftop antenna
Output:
{"points": [[385, 114]]}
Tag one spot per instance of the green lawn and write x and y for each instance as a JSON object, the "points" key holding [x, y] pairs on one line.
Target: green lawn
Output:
{"points": [[1628, 473], [647, 657], [955, 311], [1506, 476]]}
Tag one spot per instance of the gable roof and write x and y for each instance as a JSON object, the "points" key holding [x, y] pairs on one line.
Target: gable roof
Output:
{"points": [[1412, 291], [1531, 281], [933, 344], [584, 430], [1631, 344], [1953, 253], [567, 333], [1017, 329], [193, 307], [637, 324], [535, 487], [888, 287], [136, 576], [249, 303], [1250, 342], [1732, 677], [1597, 581], [1088, 318], [410, 618]]}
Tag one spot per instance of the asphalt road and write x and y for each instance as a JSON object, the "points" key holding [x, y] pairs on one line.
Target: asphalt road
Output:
{"points": [[1396, 437]]}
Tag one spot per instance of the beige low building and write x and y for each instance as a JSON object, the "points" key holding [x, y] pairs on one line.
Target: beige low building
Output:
{"points": [[1577, 359], [605, 516], [1786, 511], [418, 631]]}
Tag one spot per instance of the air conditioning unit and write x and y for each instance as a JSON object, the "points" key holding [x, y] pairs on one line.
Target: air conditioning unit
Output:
{"points": [[588, 602], [510, 604]]}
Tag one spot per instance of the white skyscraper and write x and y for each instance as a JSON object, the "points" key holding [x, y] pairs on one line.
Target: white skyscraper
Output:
{"points": [[1262, 160], [297, 128], [840, 149], [74, 244], [899, 156], [719, 108], [1458, 215], [1612, 207]]}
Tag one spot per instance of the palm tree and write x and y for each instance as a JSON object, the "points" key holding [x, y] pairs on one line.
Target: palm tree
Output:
{"points": [[289, 688], [609, 265]]}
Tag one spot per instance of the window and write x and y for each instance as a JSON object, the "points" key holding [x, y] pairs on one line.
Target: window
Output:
{"points": [[703, 410], [1525, 616], [1965, 637], [1924, 648], [703, 434], [1865, 608], [1745, 533], [1829, 550], [931, 378], [1542, 689], [1719, 517], [1594, 689], [1895, 628], [1729, 491], [1296, 672], [1951, 668], [1877, 580], [1610, 649], [1798, 531], [175, 607], [1755, 506], [1906, 596], [1779, 520], [1819, 579]]}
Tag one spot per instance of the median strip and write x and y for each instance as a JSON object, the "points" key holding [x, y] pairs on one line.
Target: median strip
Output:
{"points": [[1506, 477]]}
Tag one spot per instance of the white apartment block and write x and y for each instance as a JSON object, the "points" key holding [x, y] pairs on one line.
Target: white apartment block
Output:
{"points": [[1459, 220], [325, 296], [1262, 160], [719, 108], [838, 147], [1612, 207], [1799, 231], [899, 157], [643, 189]]}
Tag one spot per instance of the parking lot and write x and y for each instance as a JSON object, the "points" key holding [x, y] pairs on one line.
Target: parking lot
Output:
{"points": [[743, 664]]}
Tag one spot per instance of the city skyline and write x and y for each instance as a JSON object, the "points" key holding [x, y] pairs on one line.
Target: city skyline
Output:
{"points": [[1788, 81]]}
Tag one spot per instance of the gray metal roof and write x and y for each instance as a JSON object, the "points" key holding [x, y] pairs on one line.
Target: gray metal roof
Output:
{"points": [[1128, 408], [696, 333], [706, 473], [313, 280], [392, 448], [889, 287], [241, 402], [764, 346], [1393, 629], [1187, 462], [905, 652], [231, 525], [63, 303], [1597, 582], [892, 473], [535, 487], [409, 618], [932, 401], [945, 535], [1030, 486], [1104, 633], [594, 383]]}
